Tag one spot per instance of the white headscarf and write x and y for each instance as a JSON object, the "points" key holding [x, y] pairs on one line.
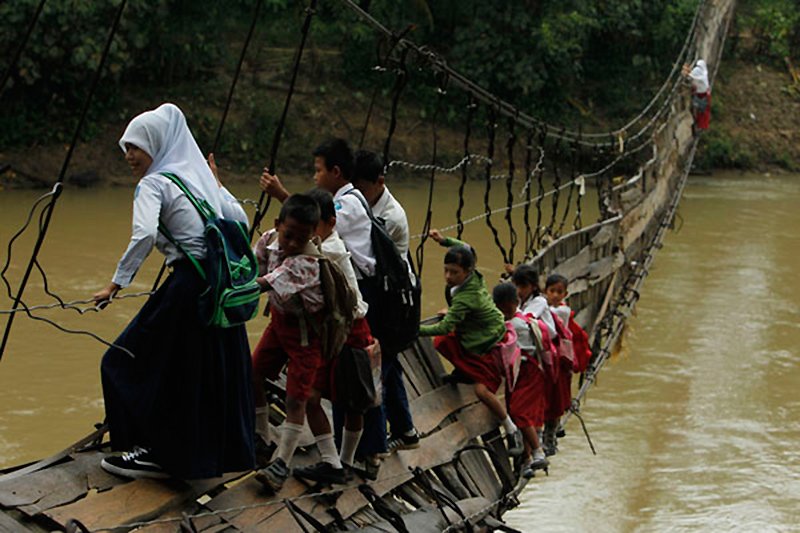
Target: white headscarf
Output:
{"points": [[166, 138], [699, 76]]}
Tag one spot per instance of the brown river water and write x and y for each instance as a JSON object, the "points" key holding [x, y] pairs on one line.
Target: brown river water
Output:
{"points": [[696, 422]]}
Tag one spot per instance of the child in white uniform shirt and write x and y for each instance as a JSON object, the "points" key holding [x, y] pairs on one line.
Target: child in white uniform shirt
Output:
{"points": [[369, 179]]}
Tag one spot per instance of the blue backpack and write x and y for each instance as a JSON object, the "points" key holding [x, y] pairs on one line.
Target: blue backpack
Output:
{"points": [[230, 267]]}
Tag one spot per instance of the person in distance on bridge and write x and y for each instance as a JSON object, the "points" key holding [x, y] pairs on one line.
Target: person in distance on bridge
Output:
{"points": [[368, 177]]}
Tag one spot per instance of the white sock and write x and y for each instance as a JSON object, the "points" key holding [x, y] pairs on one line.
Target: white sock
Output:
{"points": [[411, 432], [327, 449], [262, 422], [511, 428], [538, 453], [288, 441], [349, 444]]}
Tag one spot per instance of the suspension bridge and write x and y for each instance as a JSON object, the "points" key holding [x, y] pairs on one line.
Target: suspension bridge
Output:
{"points": [[462, 477]]}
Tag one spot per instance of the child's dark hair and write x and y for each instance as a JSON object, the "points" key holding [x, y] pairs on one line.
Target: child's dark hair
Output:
{"points": [[368, 166], [324, 200], [504, 293], [336, 153], [526, 275], [555, 279], [302, 208], [461, 255]]}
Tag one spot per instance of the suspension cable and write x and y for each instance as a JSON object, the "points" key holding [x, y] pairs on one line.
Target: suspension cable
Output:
{"points": [[276, 140], [23, 43], [471, 106], [61, 175]]}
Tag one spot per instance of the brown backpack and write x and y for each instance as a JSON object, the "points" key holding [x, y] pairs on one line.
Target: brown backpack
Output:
{"points": [[334, 322]]}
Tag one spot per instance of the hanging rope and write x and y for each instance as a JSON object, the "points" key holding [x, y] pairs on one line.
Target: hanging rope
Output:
{"points": [[512, 234], [527, 192], [572, 176], [401, 78], [441, 91], [12, 65], [380, 67], [471, 106], [491, 127], [540, 195], [57, 189], [439, 64], [276, 139], [236, 73]]}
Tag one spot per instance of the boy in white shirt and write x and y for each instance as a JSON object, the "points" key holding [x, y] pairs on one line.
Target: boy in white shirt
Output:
{"points": [[368, 177]]}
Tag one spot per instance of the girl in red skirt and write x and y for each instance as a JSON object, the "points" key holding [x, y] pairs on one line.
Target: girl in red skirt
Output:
{"points": [[525, 398], [470, 331]]}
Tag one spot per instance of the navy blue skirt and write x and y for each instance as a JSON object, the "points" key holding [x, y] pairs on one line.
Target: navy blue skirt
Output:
{"points": [[187, 395]]}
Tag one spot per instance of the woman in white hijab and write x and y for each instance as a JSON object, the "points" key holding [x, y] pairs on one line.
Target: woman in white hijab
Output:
{"points": [[182, 406], [701, 94]]}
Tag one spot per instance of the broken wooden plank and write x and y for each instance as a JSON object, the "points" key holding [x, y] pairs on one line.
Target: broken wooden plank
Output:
{"points": [[139, 500], [437, 449], [9, 525]]}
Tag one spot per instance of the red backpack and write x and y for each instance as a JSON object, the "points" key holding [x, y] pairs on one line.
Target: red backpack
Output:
{"points": [[580, 345]]}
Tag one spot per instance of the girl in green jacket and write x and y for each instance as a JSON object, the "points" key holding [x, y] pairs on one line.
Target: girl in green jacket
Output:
{"points": [[470, 330]]}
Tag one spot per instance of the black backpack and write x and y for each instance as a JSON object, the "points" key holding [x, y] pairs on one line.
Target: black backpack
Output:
{"points": [[397, 313]]}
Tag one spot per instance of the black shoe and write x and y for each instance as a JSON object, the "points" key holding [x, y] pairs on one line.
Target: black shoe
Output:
{"points": [[372, 467], [561, 432], [515, 443], [404, 442], [322, 473], [264, 450], [137, 463], [274, 475], [454, 378]]}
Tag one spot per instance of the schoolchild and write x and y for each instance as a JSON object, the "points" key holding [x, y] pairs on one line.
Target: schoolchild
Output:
{"points": [[289, 271], [182, 406], [368, 178], [333, 171], [555, 292], [525, 401], [534, 304], [701, 94], [360, 337], [470, 330]]}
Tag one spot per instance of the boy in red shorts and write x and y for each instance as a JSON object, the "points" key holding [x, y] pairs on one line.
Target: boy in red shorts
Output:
{"points": [[289, 271]]}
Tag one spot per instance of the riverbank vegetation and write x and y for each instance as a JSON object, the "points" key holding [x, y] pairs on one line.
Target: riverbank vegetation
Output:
{"points": [[574, 63]]}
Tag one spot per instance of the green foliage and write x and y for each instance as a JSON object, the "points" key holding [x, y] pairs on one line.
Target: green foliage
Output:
{"points": [[775, 28], [158, 41], [717, 149]]}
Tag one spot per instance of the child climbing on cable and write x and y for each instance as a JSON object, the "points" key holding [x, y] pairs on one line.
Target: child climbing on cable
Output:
{"points": [[289, 270], [470, 331], [525, 397], [342, 378]]}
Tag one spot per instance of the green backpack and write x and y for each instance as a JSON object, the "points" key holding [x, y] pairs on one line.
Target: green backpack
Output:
{"points": [[230, 268]]}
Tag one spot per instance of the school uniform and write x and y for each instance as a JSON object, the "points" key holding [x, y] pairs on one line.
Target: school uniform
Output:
{"points": [[186, 395], [295, 296], [355, 229], [538, 308], [701, 95], [360, 335], [472, 327], [398, 411], [526, 401], [563, 386]]}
